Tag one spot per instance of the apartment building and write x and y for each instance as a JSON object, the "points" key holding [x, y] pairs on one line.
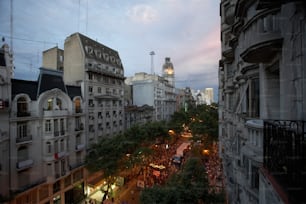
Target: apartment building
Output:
{"points": [[261, 100], [42, 138], [155, 91], [99, 71]]}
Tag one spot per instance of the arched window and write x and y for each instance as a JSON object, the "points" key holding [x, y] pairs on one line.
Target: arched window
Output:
{"points": [[50, 104], [22, 107], [77, 105]]}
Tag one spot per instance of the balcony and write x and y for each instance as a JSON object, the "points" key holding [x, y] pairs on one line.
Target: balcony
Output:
{"points": [[79, 147], [262, 37], [254, 143], [25, 164], [30, 185], [23, 114], [228, 54], [25, 139], [78, 110], [59, 155], [76, 165], [285, 156], [53, 113]]}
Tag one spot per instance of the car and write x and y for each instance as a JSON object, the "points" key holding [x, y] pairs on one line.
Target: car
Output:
{"points": [[177, 159]]}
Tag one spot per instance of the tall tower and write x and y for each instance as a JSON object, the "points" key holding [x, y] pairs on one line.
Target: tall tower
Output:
{"points": [[168, 71]]}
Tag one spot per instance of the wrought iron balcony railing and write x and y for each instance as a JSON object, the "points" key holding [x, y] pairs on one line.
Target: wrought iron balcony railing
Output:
{"points": [[285, 154]]}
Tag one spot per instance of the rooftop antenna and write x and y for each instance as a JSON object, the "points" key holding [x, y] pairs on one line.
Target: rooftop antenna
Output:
{"points": [[79, 16], [11, 26], [86, 16], [152, 53]]}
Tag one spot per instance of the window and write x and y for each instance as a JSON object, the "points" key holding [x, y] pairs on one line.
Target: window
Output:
{"points": [[90, 76], [99, 89], [58, 104], [62, 145], [48, 126], [252, 100], [90, 103], [49, 147], [50, 104], [90, 89], [62, 126], [77, 105], [22, 130], [77, 123], [22, 106], [56, 146], [255, 178], [63, 167]]}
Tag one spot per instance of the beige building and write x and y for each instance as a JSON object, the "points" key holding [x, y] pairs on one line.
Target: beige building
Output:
{"points": [[261, 100], [99, 71], [53, 58]]}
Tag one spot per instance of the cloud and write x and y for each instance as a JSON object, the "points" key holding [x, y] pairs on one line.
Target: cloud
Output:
{"points": [[142, 13]]}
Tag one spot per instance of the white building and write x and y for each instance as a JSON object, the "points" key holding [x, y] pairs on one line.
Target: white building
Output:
{"points": [[155, 91], [203, 97], [261, 100], [209, 96]]}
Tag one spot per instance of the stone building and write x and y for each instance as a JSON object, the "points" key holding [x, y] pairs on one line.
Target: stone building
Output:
{"points": [[45, 147], [261, 100]]}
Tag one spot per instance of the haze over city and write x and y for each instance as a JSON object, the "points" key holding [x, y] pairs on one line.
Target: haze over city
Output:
{"points": [[187, 33]]}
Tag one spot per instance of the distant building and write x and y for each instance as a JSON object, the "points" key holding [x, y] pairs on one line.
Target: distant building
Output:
{"points": [[155, 91], [138, 115], [262, 100], [168, 71], [203, 97], [209, 96], [184, 99]]}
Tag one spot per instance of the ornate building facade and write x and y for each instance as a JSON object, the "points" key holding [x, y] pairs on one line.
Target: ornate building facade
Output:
{"points": [[261, 100], [99, 71]]}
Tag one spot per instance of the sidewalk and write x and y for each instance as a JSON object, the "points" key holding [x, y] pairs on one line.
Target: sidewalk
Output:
{"points": [[128, 194]]}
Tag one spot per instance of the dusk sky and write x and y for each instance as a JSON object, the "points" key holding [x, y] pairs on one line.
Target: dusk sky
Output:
{"points": [[186, 31]]}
